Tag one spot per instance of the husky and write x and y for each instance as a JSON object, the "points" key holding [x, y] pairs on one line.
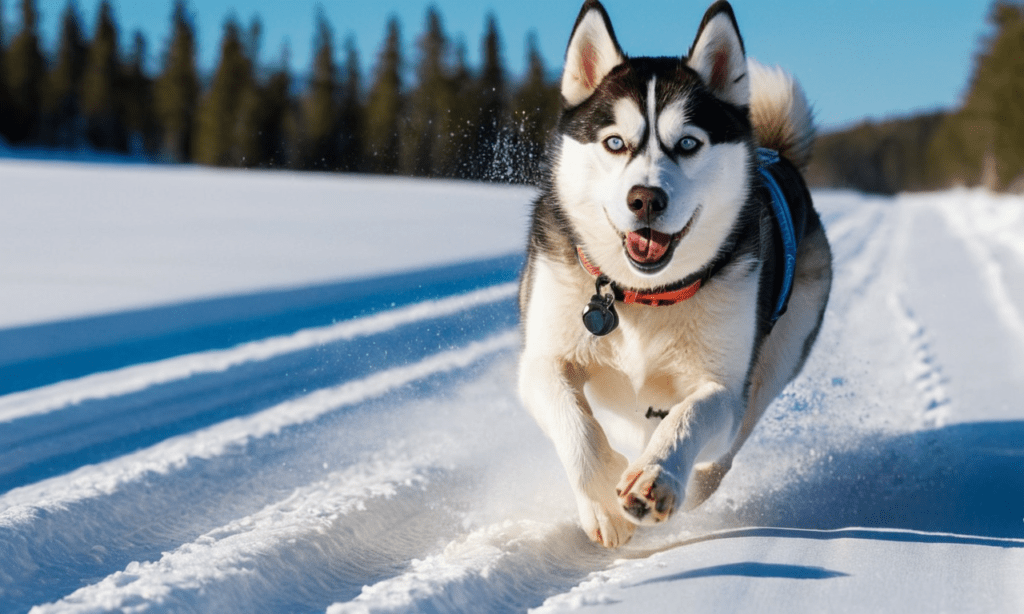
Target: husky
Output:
{"points": [[673, 215]]}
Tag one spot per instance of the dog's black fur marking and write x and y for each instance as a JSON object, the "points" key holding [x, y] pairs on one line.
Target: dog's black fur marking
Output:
{"points": [[725, 122]]}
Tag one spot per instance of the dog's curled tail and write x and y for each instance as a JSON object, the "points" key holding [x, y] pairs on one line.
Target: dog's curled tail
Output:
{"points": [[780, 114]]}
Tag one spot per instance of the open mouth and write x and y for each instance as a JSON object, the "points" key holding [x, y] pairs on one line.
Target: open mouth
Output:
{"points": [[649, 250]]}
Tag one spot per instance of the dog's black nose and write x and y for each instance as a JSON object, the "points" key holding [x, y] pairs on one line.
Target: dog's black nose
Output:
{"points": [[646, 202]]}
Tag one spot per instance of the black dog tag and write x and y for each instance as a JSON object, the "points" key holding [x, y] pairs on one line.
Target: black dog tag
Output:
{"points": [[599, 315]]}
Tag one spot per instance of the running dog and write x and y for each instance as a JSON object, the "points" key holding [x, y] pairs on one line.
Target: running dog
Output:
{"points": [[673, 215]]}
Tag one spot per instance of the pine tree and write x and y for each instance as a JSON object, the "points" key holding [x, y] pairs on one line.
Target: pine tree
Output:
{"points": [[26, 78], [5, 103], [427, 132], [534, 112], [61, 105], [384, 106], [320, 106], [485, 162], [246, 140], [1001, 83], [213, 140], [176, 91], [350, 113], [137, 101], [252, 41], [100, 85], [276, 117], [463, 114], [983, 143]]}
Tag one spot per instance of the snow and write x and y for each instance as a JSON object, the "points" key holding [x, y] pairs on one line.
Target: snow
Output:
{"points": [[817, 571], [139, 377], [98, 239], [255, 391]]}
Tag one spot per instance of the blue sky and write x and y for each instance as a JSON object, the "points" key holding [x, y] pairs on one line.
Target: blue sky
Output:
{"points": [[869, 58]]}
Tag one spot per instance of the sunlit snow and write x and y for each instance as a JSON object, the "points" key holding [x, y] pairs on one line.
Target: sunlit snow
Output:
{"points": [[251, 391]]}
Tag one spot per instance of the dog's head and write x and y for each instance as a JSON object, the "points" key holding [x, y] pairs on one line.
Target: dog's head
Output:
{"points": [[654, 159]]}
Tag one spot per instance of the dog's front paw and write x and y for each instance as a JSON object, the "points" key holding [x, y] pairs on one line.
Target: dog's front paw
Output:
{"points": [[648, 495], [605, 526]]}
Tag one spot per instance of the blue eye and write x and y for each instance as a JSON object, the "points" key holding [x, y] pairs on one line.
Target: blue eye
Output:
{"points": [[688, 145], [615, 144]]}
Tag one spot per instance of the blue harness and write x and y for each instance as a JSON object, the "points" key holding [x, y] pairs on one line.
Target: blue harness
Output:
{"points": [[765, 159]]}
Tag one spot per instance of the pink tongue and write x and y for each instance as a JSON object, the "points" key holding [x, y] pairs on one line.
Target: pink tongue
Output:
{"points": [[647, 246]]}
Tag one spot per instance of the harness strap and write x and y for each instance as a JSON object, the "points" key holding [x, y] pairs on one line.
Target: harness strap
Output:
{"points": [[766, 159]]}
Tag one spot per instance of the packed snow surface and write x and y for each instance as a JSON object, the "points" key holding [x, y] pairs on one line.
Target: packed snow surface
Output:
{"points": [[246, 391]]}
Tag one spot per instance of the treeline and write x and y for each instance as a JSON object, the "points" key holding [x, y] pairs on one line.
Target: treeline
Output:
{"points": [[881, 157], [451, 121], [979, 144]]}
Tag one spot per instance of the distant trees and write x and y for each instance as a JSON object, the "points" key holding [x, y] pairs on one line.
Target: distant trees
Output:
{"points": [[881, 157], [450, 121], [320, 105], [384, 106], [101, 82], [215, 139], [490, 117], [4, 98], [137, 100], [351, 115], [535, 108], [25, 77], [981, 143], [176, 90], [428, 144], [61, 104]]}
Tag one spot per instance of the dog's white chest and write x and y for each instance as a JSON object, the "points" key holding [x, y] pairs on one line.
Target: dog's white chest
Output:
{"points": [[648, 353], [665, 352], [637, 354]]}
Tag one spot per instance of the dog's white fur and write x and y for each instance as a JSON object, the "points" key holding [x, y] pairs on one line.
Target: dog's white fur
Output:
{"points": [[693, 358]]}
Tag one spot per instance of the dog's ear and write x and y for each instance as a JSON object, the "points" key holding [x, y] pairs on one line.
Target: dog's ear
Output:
{"points": [[718, 56], [593, 52]]}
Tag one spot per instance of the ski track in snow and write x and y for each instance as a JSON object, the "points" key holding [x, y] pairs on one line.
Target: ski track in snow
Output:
{"points": [[383, 464], [133, 379], [978, 233]]}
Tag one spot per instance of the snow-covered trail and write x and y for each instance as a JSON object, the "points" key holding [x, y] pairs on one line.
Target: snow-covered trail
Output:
{"points": [[890, 476], [383, 463]]}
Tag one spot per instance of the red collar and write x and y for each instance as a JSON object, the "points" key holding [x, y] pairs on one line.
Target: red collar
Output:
{"points": [[656, 299]]}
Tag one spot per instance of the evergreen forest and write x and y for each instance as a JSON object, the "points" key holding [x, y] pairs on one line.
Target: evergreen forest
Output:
{"points": [[981, 143], [453, 120], [426, 112]]}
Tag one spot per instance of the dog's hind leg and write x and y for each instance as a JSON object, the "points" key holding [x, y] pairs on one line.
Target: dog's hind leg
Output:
{"points": [[705, 481], [781, 357]]}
